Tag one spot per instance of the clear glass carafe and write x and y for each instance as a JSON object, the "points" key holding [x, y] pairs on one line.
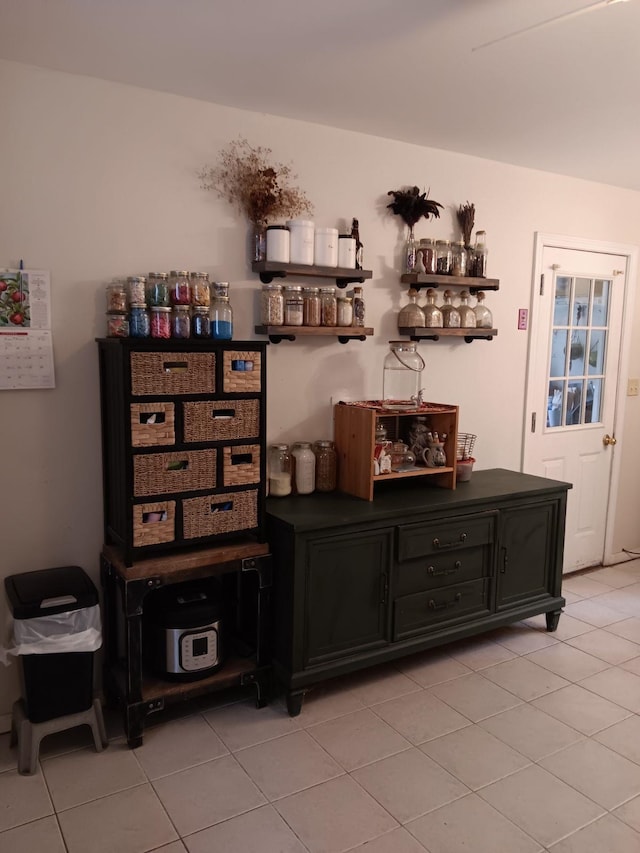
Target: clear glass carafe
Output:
{"points": [[432, 314], [484, 318], [467, 314], [450, 314], [402, 375]]}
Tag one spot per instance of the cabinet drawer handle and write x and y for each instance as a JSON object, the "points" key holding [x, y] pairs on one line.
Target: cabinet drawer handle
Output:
{"points": [[441, 545], [456, 567], [444, 604]]}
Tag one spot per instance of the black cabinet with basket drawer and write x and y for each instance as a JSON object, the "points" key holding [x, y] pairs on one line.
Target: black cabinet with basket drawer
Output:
{"points": [[358, 583], [183, 437]]}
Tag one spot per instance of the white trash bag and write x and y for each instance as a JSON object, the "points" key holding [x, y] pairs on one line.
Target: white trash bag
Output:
{"points": [[70, 631]]}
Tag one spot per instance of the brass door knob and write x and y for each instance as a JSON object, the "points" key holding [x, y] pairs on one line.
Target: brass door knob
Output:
{"points": [[608, 439]]}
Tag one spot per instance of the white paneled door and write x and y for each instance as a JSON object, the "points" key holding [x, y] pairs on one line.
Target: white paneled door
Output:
{"points": [[572, 386]]}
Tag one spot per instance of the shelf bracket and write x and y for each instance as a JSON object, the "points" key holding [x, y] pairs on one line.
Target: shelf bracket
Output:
{"points": [[261, 565], [343, 282], [268, 277], [344, 339], [468, 338], [275, 339]]}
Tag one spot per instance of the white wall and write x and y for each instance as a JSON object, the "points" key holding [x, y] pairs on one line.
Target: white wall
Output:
{"points": [[98, 180]]}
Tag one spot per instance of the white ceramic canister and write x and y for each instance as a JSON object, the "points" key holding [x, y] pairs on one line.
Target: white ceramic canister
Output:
{"points": [[301, 241], [326, 247], [278, 243], [347, 251]]}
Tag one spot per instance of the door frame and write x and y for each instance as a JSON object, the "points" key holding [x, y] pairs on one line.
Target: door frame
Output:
{"points": [[543, 240]]}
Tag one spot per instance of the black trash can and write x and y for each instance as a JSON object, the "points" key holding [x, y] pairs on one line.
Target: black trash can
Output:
{"points": [[53, 608]]}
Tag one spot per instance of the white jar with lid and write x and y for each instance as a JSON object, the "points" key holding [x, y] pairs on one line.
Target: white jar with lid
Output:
{"points": [[347, 251], [305, 467], [301, 240], [278, 243], [326, 247]]}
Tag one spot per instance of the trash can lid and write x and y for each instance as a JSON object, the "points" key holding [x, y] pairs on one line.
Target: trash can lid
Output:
{"points": [[49, 591]]}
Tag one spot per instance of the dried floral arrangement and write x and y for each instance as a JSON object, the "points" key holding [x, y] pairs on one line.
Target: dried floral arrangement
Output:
{"points": [[258, 188], [412, 205], [466, 219]]}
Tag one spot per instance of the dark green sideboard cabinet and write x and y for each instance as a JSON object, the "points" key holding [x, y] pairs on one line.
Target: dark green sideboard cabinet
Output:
{"points": [[358, 583]]}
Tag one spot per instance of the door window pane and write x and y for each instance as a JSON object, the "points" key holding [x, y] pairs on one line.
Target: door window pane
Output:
{"points": [[561, 301], [577, 349], [558, 352], [600, 303], [596, 351], [581, 302], [555, 403], [574, 403]]}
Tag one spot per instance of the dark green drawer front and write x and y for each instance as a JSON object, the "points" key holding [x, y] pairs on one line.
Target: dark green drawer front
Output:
{"points": [[444, 569], [423, 540], [416, 614]]}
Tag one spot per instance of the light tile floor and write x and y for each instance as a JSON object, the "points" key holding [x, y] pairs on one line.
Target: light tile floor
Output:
{"points": [[518, 741]]}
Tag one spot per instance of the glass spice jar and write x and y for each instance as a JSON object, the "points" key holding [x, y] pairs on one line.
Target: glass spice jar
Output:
{"points": [[139, 322], [427, 251], [201, 322], [293, 306], [432, 314], [199, 288], [116, 297], [180, 322], [160, 321], [459, 259], [443, 257], [358, 306], [450, 314], [329, 306], [305, 467], [117, 324], [326, 466], [157, 289], [312, 309], [221, 319], [344, 311], [484, 318], [467, 314], [136, 290], [279, 470], [272, 305], [179, 289]]}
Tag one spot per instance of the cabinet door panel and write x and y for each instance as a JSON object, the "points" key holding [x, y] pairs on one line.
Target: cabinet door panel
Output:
{"points": [[346, 598], [525, 557]]}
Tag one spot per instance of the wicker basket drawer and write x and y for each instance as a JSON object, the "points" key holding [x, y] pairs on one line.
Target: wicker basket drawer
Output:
{"points": [[241, 465], [416, 614], [214, 514], [221, 420], [152, 424], [154, 523], [241, 371], [181, 471], [163, 373]]}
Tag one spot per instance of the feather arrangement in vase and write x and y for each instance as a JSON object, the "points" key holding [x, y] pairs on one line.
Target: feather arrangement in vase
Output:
{"points": [[411, 206]]}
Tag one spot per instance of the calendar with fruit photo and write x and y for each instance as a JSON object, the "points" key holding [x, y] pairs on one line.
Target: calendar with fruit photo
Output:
{"points": [[24, 299]]}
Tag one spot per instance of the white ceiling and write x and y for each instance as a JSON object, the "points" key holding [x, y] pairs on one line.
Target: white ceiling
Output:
{"points": [[562, 98]]}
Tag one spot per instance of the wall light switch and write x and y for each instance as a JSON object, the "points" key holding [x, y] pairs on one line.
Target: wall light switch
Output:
{"points": [[632, 387], [523, 316]]}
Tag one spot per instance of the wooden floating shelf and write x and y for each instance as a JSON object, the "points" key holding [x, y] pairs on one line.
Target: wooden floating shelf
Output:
{"points": [[420, 333], [290, 333], [473, 285], [269, 270], [412, 472]]}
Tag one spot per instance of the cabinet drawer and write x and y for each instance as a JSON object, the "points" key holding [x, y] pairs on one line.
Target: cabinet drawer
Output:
{"points": [[154, 523], [152, 424], [210, 515], [221, 420], [443, 570], [178, 471], [422, 540], [162, 373], [415, 614], [241, 371], [241, 465]]}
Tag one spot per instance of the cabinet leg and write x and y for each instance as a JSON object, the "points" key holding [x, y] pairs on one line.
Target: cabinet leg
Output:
{"points": [[552, 619], [134, 725], [294, 702]]}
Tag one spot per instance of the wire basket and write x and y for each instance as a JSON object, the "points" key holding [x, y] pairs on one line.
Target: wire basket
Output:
{"points": [[466, 442]]}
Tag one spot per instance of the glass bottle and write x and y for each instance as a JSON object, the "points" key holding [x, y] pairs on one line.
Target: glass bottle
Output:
{"points": [[279, 470], [355, 233], [345, 311], [402, 375], [305, 467], [179, 290], [358, 306], [484, 318], [459, 259], [427, 251], [157, 289], [410, 254], [139, 323], [480, 255], [180, 322], [326, 466], [467, 314], [443, 257], [258, 241], [329, 306], [411, 315], [312, 308], [221, 319], [432, 314], [201, 322], [200, 294], [450, 314]]}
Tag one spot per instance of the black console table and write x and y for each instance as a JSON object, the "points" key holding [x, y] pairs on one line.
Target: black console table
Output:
{"points": [[358, 583]]}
